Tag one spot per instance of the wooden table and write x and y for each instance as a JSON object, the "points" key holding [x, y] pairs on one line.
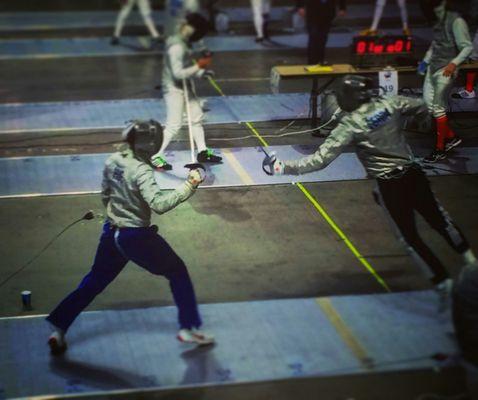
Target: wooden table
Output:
{"points": [[300, 72]]}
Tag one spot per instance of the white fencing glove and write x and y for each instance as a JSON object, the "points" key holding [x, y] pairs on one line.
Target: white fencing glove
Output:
{"points": [[271, 165], [196, 177]]}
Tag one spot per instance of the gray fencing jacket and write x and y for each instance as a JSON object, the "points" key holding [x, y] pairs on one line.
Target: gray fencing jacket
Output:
{"points": [[129, 191], [375, 129], [179, 64], [451, 41]]}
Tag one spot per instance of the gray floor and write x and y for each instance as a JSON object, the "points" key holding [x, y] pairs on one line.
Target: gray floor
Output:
{"points": [[138, 348], [265, 246]]}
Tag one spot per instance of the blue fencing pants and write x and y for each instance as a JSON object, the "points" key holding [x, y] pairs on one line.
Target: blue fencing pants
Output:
{"points": [[144, 247]]}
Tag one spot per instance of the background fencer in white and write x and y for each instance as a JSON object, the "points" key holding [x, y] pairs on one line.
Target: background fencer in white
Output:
{"points": [[179, 65], [260, 14], [379, 6], [144, 7]]}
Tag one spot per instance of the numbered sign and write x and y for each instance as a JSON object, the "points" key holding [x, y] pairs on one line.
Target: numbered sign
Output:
{"points": [[388, 81]]}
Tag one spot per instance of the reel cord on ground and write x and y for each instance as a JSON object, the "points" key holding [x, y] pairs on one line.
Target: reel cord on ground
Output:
{"points": [[88, 216]]}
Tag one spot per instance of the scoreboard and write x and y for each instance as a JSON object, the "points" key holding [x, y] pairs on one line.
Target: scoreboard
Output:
{"points": [[372, 51]]}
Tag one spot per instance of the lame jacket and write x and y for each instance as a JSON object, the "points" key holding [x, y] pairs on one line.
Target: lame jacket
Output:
{"points": [[375, 130], [130, 191]]}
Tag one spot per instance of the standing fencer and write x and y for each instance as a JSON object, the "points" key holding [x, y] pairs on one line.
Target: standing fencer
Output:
{"points": [[146, 12], [468, 92], [319, 15], [374, 127], [179, 72], [377, 15], [260, 14], [450, 47], [130, 193]]}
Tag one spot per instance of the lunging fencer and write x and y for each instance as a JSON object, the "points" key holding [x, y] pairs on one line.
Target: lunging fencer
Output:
{"points": [[146, 12], [179, 72], [377, 16], [450, 47], [373, 126], [261, 14], [130, 193]]}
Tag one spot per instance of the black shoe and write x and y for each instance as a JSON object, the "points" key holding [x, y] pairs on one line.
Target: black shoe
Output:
{"points": [[259, 39], [435, 156], [207, 156], [156, 42], [114, 41], [450, 144]]}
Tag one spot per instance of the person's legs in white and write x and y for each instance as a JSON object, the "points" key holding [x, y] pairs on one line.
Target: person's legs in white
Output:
{"points": [[256, 6], [197, 117], [377, 16], [122, 16], [146, 13]]}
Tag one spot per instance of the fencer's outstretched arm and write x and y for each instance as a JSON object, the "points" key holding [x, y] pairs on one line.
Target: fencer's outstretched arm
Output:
{"points": [[160, 201], [462, 40], [340, 137], [409, 105], [176, 61]]}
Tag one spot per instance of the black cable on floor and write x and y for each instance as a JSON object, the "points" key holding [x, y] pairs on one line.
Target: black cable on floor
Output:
{"points": [[88, 216]]}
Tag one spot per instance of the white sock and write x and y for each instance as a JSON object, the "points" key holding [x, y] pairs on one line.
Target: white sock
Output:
{"points": [[198, 135]]}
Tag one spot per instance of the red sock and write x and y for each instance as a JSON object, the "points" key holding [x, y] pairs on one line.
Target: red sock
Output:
{"points": [[443, 132], [470, 81]]}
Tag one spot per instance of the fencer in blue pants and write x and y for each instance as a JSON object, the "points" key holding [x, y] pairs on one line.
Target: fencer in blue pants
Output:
{"points": [[130, 193], [144, 247]]}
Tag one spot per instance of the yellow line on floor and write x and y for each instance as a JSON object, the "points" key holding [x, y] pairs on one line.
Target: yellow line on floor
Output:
{"points": [[346, 334], [309, 196], [237, 167], [342, 236]]}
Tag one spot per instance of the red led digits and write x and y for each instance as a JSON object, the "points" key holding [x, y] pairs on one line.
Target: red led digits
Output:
{"points": [[378, 49], [398, 46], [361, 47]]}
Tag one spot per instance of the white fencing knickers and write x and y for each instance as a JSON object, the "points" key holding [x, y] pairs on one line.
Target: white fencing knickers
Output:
{"points": [[175, 114], [259, 9], [436, 89], [380, 5], [145, 10]]}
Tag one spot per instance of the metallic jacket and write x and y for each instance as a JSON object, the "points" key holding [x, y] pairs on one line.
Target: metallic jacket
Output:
{"points": [[129, 191], [375, 129], [451, 41]]}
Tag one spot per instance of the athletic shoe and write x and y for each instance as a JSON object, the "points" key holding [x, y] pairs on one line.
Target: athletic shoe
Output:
{"points": [[452, 143], [160, 163], [464, 94], [57, 343], [407, 31], [156, 42], [443, 290], [369, 32], [195, 336], [435, 156], [114, 41], [259, 39], [207, 156]]}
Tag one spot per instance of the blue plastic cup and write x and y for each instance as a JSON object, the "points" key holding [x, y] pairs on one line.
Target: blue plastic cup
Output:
{"points": [[27, 299]]}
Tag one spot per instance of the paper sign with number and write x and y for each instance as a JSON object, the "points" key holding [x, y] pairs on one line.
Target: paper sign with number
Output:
{"points": [[388, 81]]}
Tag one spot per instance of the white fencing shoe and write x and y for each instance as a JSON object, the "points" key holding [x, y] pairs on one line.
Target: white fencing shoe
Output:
{"points": [[57, 343], [443, 290], [195, 336]]}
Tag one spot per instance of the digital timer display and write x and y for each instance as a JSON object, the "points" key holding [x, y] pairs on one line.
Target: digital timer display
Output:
{"points": [[372, 50], [376, 45]]}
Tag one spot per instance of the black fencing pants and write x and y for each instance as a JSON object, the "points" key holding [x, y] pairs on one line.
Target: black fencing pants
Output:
{"points": [[411, 192]]}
